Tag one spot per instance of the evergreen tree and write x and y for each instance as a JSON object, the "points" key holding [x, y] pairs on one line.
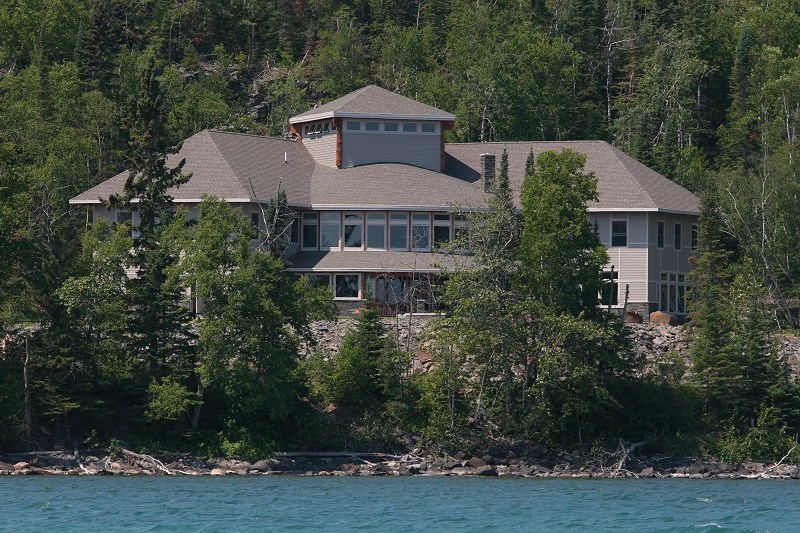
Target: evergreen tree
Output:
{"points": [[560, 252], [713, 369]]}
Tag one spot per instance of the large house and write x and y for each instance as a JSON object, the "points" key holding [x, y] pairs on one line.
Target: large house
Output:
{"points": [[375, 190]]}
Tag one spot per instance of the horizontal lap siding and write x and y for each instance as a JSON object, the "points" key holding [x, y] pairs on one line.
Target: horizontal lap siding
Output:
{"points": [[631, 263], [409, 148], [322, 148]]}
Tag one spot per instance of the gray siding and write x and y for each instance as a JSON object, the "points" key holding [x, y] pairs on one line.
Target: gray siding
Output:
{"points": [[602, 221], [322, 148], [363, 148], [668, 259], [631, 263]]}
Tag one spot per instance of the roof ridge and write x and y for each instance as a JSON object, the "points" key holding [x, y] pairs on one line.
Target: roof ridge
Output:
{"points": [[526, 142], [245, 134], [625, 164], [249, 188]]}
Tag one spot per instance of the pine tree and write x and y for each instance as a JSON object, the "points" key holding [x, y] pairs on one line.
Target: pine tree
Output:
{"points": [[714, 372], [158, 323]]}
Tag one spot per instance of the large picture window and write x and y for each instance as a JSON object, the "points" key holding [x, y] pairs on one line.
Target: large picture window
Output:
{"points": [[398, 231], [353, 230], [347, 286], [441, 229], [619, 233], [310, 231], [421, 231], [329, 230], [376, 231]]}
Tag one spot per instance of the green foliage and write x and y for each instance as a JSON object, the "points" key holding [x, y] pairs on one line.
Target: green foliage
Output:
{"points": [[766, 441], [561, 253], [168, 400]]}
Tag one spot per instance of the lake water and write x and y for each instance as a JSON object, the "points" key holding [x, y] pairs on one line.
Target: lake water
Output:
{"points": [[264, 503]]}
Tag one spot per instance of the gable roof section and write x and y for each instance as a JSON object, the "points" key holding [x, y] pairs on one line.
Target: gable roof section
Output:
{"points": [[623, 184], [225, 165], [374, 101]]}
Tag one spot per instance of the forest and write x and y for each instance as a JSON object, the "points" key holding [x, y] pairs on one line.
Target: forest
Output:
{"points": [[706, 93]]}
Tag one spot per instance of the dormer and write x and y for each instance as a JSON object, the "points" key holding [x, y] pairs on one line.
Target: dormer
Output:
{"points": [[373, 125]]}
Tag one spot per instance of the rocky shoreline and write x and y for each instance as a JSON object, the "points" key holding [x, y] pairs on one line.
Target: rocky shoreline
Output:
{"points": [[128, 463]]}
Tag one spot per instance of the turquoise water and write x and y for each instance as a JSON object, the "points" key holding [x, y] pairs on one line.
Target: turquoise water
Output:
{"points": [[394, 504]]}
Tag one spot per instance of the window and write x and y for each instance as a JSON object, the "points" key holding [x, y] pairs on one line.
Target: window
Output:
{"points": [[428, 127], [694, 236], [326, 127], [677, 236], [294, 231], [319, 280], [398, 231], [409, 127], [353, 125], [353, 230], [460, 227], [610, 291], [619, 233], [306, 128], [372, 126], [441, 229], [376, 231], [347, 286], [390, 126], [672, 293], [124, 217], [421, 231], [254, 219], [329, 229], [309, 231], [384, 290], [660, 233], [317, 128]]}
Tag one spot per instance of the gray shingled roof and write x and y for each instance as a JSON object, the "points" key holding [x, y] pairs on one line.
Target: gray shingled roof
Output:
{"points": [[389, 184], [225, 164], [374, 261], [373, 101], [624, 184]]}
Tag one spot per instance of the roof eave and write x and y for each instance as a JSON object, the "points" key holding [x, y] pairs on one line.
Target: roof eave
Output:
{"points": [[299, 119]]}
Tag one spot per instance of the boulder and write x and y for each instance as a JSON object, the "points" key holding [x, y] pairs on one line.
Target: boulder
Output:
{"points": [[217, 472], [475, 462], [264, 465], [449, 465], [632, 317], [660, 318], [488, 459], [21, 466], [486, 470], [647, 472]]}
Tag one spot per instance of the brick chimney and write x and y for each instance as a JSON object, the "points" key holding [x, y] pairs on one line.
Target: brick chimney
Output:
{"points": [[487, 171]]}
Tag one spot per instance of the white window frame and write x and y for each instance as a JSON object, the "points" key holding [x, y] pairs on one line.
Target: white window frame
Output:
{"points": [[303, 225], [331, 216], [348, 123], [375, 222], [442, 224], [353, 222], [611, 242], [359, 291], [398, 223], [675, 286], [377, 126], [420, 222], [435, 128]]}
